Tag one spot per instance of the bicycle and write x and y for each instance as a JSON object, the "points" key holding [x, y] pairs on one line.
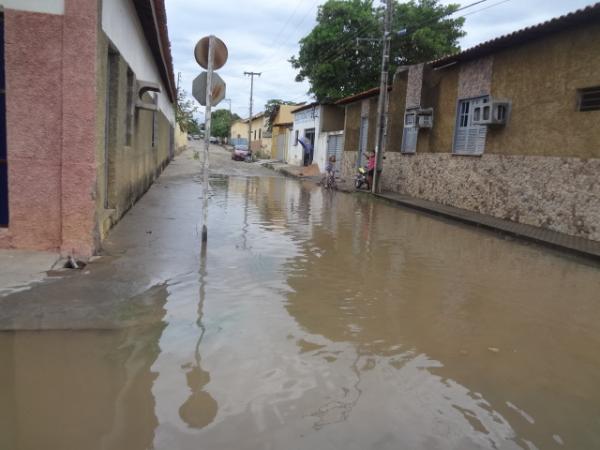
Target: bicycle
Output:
{"points": [[329, 181]]}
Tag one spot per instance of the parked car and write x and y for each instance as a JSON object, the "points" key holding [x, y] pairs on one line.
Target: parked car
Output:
{"points": [[213, 140], [240, 152]]}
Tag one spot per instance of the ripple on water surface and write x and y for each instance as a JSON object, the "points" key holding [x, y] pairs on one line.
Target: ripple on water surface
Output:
{"points": [[320, 320]]}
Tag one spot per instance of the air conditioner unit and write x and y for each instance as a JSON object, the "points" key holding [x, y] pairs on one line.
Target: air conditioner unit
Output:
{"points": [[425, 118], [490, 112]]}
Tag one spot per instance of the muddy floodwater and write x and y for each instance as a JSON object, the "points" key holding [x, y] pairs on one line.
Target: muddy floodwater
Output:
{"points": [[314, 320]]}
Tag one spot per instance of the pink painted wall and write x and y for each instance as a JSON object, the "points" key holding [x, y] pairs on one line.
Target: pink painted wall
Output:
{"points": [[33, 64], [51, 120], [79, 132]]}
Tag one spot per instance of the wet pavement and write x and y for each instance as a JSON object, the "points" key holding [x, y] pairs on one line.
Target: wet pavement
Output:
{"points": [[314, 320]]}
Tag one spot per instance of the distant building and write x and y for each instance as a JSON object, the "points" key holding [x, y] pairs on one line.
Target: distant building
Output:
{"points": [[509, 128], [239, 132], [88, 121]]}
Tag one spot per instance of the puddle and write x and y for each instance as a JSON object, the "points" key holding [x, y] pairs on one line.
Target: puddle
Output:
{"points": [[312, 322]]}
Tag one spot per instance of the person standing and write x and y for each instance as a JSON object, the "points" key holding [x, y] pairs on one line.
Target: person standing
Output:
{"points": [[307, 147], [370, 167]]}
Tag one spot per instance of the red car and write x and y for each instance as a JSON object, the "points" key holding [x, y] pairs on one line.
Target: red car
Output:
{"points": [[240, 153]]}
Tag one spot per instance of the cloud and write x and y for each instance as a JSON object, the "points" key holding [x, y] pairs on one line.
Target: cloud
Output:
{"points": [[262, 35]]}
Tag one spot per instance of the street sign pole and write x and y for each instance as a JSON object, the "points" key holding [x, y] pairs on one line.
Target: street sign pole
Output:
{"points": [[207, 132]]}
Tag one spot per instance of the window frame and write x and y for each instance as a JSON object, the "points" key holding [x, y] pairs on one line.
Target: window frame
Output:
{"points": [[466, 117]]}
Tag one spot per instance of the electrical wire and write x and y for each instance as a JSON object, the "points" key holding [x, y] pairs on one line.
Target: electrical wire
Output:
{"points": [[347, 42], [341, 51]]}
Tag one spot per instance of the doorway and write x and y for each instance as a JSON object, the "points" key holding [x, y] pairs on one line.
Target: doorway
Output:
{"points": [[309, 135]]}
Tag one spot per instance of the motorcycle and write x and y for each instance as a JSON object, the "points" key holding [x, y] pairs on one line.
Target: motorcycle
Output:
{"points": [[361, 178]]}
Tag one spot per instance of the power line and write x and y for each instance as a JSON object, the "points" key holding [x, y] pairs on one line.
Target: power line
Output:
{"points": [[284, 25], [487, 7], [340, 51], [298, 25]]}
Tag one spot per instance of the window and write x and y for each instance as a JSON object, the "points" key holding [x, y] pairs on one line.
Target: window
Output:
{"points": [[469, 139], [589, 99], [130, 108], [260, 133], [155, 124], [296, 137]]}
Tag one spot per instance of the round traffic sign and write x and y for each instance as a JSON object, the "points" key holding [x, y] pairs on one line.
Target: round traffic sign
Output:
{"points": [[220, 52]]}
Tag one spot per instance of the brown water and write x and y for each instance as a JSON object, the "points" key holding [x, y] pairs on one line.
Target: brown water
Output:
{"points": [[314, 321]]}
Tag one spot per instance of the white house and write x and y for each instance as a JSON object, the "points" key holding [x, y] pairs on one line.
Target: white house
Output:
{"points": [[322, 125]]}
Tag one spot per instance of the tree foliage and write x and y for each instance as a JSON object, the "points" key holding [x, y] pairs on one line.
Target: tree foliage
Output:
{"points": [[337, 65], [184, 113], [221, 122], [271, 109]]}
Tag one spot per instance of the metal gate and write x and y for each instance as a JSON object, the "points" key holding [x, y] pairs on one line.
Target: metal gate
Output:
{"points": [[335, 147], [282, 141], [363, 139], [3, 152]]}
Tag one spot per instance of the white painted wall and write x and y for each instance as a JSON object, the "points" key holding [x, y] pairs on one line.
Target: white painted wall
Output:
{"points": [[123, 28], [303, 120], [40, 6]]}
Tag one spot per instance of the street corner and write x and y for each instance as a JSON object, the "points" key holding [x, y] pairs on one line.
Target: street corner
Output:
{"points": [[19, 269]]}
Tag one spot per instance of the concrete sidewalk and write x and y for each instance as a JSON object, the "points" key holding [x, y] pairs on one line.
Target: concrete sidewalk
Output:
{"points": [[19, 269], [560, 241]]}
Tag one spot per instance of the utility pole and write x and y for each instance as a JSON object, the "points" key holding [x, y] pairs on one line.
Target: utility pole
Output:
{"points": [[381, 104], [251, 75]]}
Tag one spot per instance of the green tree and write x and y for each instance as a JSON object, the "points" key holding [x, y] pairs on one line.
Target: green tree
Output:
{"points": [[184, 113], [271, 109], [221, 122], [337, 65]]}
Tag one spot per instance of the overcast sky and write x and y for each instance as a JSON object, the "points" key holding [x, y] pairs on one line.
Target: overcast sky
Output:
{"points": [[262, 35]]}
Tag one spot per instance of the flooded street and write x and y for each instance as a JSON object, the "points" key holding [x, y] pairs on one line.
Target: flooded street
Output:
{"points": [[315, 320]]}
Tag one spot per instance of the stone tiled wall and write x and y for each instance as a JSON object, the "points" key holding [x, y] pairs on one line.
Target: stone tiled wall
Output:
{"points": [[348, 165], [414, 86], [560, 194], [475, 78]]}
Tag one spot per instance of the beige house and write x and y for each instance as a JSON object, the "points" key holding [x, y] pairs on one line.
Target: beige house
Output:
{"points": [[282, 124], [260, 138], [508, 128], [239, 132]]}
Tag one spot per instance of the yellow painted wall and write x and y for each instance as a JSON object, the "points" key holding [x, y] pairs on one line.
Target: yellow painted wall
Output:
{"points": [[541, 80], [285, 114], [239, 128]]}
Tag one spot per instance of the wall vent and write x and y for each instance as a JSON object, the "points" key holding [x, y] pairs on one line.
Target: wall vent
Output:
{"points": [[589, 99]]}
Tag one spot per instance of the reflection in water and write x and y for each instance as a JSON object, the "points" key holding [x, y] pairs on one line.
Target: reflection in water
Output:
{"points": [[70, 390], [318, 320], [200, 409]]}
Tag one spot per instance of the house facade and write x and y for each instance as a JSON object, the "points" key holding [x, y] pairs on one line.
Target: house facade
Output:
{"points": [[239, 132], [281, 128], [260, 142], [321, 125], [89, 117], [510, 128]]}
